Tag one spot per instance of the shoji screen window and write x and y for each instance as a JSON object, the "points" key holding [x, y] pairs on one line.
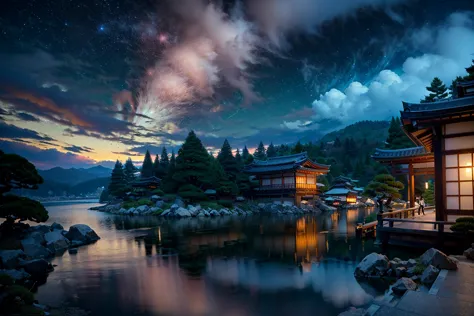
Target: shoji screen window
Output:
{"points": [[460, 182]]}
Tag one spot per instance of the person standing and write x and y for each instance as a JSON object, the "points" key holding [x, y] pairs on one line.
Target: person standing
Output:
{"points": [[422, 206]]}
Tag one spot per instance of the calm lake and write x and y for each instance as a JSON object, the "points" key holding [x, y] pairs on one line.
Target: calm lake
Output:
{"points": [[211, 266]]}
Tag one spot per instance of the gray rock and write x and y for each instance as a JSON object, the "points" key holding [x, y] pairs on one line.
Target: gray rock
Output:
{"points": [[165, 212], [35, 237], [122, 211], [17, 275], [10, 259], [142, 209], [72, 250], [213, 213], [82, 233], [429, 275], [174, 207], [373, 264], [182, 212], [36, 251], [396, 259], [76, 243], [37, 267], [192, 210], [354, 312], [395, 264], [415, 278], [155, 198], [55, 226], [469, 253], [179, 202], [131, 210], [411, 263], [42, 229], [403, 285], [160, 203], [438, 259], [55, 241], [410, 272], [400, 272], [206, 213]]}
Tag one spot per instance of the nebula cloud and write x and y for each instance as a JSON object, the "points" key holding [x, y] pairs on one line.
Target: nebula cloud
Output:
{"points": [[212, 48]]}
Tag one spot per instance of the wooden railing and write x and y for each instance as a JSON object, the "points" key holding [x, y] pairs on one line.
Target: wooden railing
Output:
{"points": [[404, 213]]}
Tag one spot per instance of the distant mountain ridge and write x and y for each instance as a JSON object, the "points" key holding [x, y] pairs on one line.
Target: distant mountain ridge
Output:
{"points": [[73, 176], [373, 131]]}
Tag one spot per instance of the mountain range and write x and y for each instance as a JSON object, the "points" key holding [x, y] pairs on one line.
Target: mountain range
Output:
{"points": [[73, 176]]}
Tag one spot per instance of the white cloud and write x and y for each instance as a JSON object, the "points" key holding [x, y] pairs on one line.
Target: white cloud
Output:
{"points": [[448, 50], [299, 126]]}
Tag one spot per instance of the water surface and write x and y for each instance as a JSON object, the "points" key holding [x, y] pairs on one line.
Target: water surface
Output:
{"points": [[255, 265]]}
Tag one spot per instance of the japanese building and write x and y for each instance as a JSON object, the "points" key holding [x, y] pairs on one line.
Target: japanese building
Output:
{"points": [[444, 132], [287, 178], [344, 190]]}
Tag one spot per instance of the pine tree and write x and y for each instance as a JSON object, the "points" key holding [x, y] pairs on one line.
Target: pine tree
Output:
{"points": [[129, 171], [220, 181], [227, 161], [298, 148], [245, 154], [164, 164], [238, 160], [147, 167], [384, 184], [168, 184], [192, 164], [271, 151], [117, 181], [429, 194], [322, 146], [397, 139], [337, 142], [438, 91], [172, 164], [470, 71], [259, 153], [156, 166]]}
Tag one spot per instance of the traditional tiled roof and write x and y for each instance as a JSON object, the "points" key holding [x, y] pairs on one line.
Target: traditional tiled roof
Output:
{"points": [[339, 191], [146, 181], [399, 153], [411, 109], [284, 163]]}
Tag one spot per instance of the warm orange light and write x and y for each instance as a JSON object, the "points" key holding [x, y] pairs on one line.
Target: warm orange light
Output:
{"points": [[351, 199]]}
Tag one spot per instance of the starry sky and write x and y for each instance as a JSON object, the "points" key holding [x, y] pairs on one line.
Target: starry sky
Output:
{"points": [[88, 82]]}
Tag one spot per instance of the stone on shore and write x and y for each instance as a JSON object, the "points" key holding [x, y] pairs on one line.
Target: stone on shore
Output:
{"points": [[438, 259], [55, 241], [56, 226], [429, 275], [9, 259], [182, 212], [17, 275], [37, 267], [403, 285], [400, 272], [353, 312], [469, 253], [155, 198], [35, 251], [373, 264], [82, 233], [179, 202]]}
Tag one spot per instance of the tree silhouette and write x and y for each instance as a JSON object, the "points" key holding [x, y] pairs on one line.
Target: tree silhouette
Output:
{"points": [[438, 91], [147, 167]]}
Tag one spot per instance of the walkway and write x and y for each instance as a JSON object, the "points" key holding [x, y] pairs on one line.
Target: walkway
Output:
{"points": [[429, 216], [450, 295]]}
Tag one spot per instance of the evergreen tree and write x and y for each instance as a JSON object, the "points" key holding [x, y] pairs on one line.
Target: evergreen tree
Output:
{"points": [[438, 91], [227, 161], [238, 160], [384, 184], [454, 85], [397, 139], [129, 171], [429, 195], [470, 72], [298, 148], [170, 185], [249, 159], [259, 153], [271, 151], [192, 164], [220, 181], [117, 184], [172, 164], [322, 145], [156, 166], [164, 164], [245, 154], [147, 167], [337, 142]]}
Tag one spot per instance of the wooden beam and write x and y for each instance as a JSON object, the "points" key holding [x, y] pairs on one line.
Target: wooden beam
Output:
{"points": [[411, 184], [440, 182]]}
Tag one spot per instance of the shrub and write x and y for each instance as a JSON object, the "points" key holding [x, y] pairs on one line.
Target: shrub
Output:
{"points": [[130, 204], [465, 220], [462, 227], [18, 290], [371, 218], [419, 268], [169, 197], [225, 203], [211, 205], [157, 212], [191, 193], [6, 280], [158, 192]]}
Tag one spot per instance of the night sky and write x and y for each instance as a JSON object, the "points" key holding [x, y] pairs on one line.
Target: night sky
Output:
{"points": [[88, 82]]}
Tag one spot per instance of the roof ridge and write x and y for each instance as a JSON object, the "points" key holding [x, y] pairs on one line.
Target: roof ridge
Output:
{"points": [[304, 153]]}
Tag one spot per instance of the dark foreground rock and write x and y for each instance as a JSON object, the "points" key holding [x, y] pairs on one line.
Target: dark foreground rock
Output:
{"points": [[438, 259], [81, 233], [9, 259], [37, 267], [403, 285], [372, 265], [429, 275], [469, 253], [354, 312]]}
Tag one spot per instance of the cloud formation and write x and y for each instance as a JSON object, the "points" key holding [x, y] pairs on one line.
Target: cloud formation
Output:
{"points": [[447, 51]]}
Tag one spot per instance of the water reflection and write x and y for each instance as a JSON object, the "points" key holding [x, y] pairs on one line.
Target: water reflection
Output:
{"points": [[211, 266]]}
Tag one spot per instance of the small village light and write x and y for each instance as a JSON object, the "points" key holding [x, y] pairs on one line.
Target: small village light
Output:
{"points": [[426, 185]]}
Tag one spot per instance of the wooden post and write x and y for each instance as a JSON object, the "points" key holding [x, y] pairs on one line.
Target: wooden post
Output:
{"points": [[439, 174], [411, 184]]}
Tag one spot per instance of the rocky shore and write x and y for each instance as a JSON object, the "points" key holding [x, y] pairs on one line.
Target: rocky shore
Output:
{"points": [[30, 264], [178, 209]]}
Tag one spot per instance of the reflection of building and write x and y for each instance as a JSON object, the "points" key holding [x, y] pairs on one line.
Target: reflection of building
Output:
{"points": [[291, 178], [446, 129], [343, 190]]}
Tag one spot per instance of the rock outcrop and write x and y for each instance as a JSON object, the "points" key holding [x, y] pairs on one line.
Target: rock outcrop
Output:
{"points": [[373, 264], [429, 275], [9, 259], [438, 259], [469, 253], [81, 233], [37, 267], [403, 285], [55, 241]]}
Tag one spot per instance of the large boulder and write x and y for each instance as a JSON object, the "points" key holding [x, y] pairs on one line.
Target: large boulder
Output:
{"points": [[35, 251], [34, 238], [403, 285], [37, 267], [142, 209], [373, 264], [469, 253], [354, 312], [160, 203], [179, 202], [438, 259], [82, 233], [166, 212], [429, 275], [17, 275], [155, 198], [9, 259], [55, 241], [57, 226], [42, 229]]}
